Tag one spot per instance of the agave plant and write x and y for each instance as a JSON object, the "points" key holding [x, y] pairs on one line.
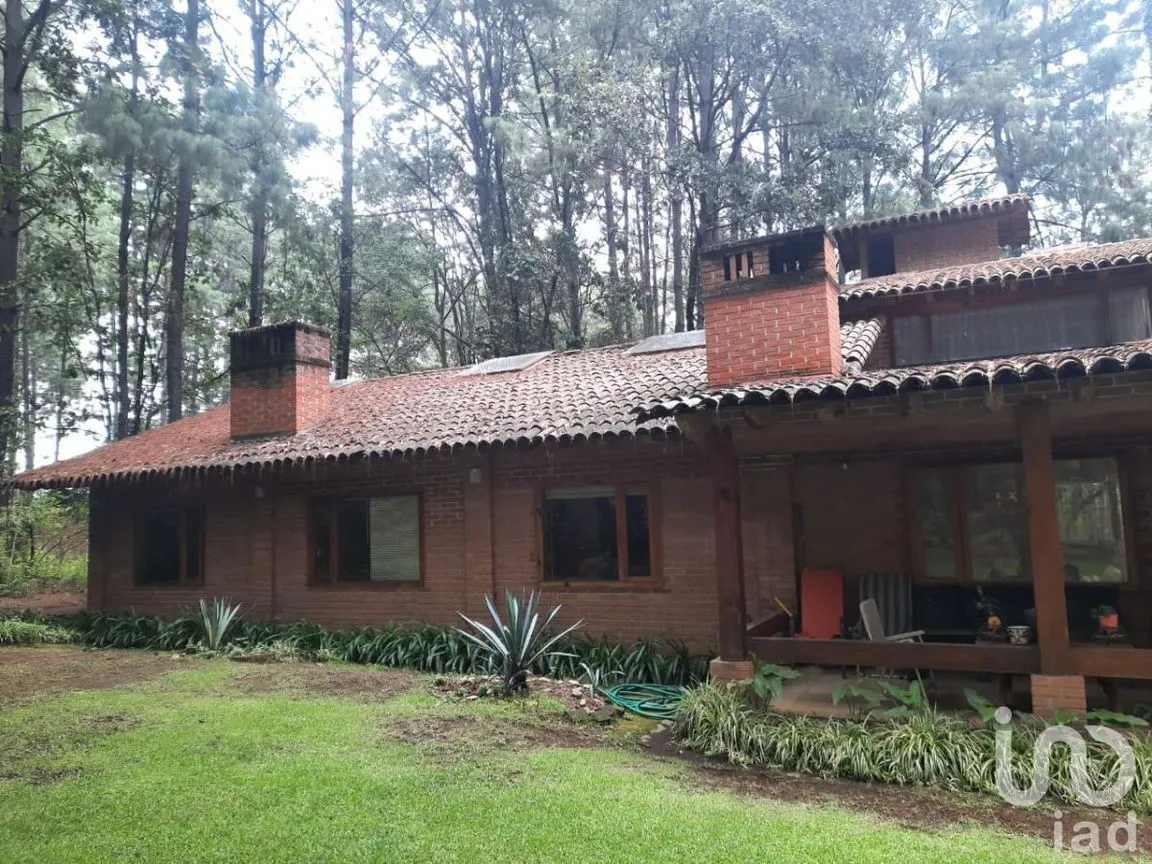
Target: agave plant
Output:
{"points": [[513, 644], [216, 621]]}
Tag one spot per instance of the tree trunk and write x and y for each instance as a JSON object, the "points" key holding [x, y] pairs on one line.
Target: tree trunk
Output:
{"points": [[347, 214], [676, 215], [123, 275], [174, 325], [260, 194], [615, 306], [11, 168], [28, 386]]}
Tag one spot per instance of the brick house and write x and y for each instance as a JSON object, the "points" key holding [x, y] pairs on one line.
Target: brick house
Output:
{"points": [[892, 399]]}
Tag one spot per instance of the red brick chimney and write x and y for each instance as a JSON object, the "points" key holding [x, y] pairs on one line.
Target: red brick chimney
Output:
{"points": [[279, 379], [771, 308]]}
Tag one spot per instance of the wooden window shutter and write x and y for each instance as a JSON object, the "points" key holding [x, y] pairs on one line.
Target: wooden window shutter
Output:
{"points": [[394, 538]]}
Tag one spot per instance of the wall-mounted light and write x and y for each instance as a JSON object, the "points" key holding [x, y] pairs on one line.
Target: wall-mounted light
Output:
{"points": [[475, 476]]}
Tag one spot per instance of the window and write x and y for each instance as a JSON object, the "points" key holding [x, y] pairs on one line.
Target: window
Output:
{"points": [[366, 540], [170, 547], [973, 523], [597, 534], [1052, 324], [739, 266], [881, 256]]}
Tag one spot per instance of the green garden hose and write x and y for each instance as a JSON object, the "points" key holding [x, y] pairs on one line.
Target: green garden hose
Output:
{"points": [[658, 701]]}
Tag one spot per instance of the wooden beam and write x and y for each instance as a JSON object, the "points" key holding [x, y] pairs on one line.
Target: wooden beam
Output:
{"points": [[1047, 555], [1098, 661], [725, 473], [898, 655]]}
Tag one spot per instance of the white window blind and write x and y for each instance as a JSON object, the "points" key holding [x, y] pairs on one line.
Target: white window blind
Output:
{"points": [[394, 538]]}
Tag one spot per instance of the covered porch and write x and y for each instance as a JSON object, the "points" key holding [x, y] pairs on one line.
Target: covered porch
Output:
{"points": [[968, 498]]}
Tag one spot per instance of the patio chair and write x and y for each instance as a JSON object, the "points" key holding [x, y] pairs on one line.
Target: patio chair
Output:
{"points": [[874, 629], [893, 595]]}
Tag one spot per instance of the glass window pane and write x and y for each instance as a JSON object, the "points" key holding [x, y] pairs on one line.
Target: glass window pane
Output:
{"points": [[580, 541], [997, 524], [1128, 314], [912, 344], [160, 548], [639, 542], [1091, 522], [940, 548], [352, 541], [997, 331]]}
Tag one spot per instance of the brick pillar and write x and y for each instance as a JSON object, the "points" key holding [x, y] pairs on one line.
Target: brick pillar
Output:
{"points": [[99, 526], [478, 546], [1051, 693]]}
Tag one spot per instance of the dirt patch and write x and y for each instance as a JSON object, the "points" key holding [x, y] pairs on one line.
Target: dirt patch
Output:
{"points": [[310, 679], [52, 601], [31, 754], [459, 736], [579, 704], [911, 807], [28, 673]]}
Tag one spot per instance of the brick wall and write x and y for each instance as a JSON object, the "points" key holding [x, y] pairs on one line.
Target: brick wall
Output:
{"points": [[1052, 693], [946, 243], [478, 527], [853, 519]]}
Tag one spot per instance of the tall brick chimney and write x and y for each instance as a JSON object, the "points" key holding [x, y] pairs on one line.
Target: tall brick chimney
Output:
{"points": [[771, 307], [279, 379]]}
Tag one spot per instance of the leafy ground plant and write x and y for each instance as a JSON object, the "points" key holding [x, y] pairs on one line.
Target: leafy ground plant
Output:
{"points": [[217, 620], [517, 641]]}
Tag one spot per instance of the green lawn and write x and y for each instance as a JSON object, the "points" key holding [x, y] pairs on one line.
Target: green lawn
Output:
{"points": [[224, 762]]}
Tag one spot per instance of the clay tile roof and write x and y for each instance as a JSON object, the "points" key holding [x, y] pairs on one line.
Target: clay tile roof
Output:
{"points": [[1034, 266], [857, 339], [564, 397], [1076, 363], [974, 207]]}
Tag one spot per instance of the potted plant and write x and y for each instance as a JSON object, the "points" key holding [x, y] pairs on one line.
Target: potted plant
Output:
{"points": [[1106, 618]]}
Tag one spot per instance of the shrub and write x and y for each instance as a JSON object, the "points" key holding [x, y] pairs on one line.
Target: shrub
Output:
{"points": [[425, 648], [14, 631], [921, 747], [216, 621], [515, 643]]}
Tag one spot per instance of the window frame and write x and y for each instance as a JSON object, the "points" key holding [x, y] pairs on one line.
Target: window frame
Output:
{"points": [[332, 500], [622, 581], [139, 532], [957, 473]]}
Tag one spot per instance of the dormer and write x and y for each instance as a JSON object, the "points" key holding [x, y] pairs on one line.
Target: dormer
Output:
{"points": [[965, 233]]}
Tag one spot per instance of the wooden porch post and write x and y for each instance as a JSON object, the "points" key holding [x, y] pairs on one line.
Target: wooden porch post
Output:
{"points": [[725, 470], [1044, 535]]}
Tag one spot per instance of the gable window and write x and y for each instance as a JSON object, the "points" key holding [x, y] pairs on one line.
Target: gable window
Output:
{"points": [[1051, 324], [597, 534], [972, 523], [881, 256], [366, 540], [170, 547]]}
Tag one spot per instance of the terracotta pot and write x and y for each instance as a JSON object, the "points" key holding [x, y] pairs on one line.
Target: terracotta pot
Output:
{"points": [[1109, 622]]}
